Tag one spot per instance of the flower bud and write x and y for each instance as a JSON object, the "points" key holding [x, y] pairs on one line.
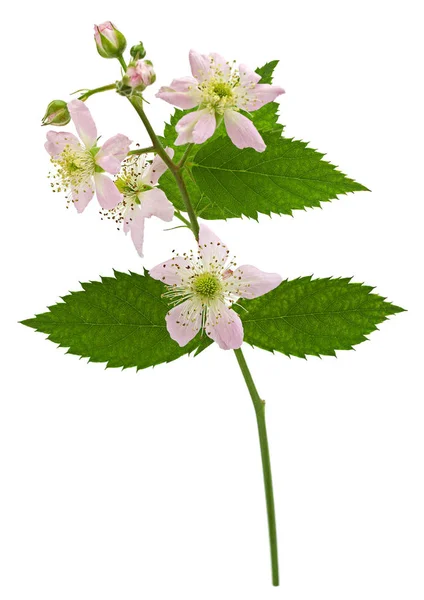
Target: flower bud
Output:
{"points": [[57, 113], [138, 51], [110, 42], [140, 74]]}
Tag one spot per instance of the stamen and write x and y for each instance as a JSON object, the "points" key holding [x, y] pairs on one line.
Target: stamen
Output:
{"points": [[130, 183], [75, 167]]}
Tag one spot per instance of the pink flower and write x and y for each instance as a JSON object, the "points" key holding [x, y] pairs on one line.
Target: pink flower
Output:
{"points": [[220, 92], [81, 166], [140, 198], [141, 74], [204, 287], [110, 42]]}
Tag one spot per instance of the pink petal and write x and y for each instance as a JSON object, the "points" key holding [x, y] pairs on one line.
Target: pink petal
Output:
{"points": [[183, 95], [196, 127], [224, 326], [249, 282], [171, 272], [183, 322], [242, 132], [200, 65], [81, 196], [129, 215], [260, 95], [137, 236], [212, 250], [113, 152], [107, 193], [83, 122], [157, 168], [184, 84], [57, 141], [220, 65], [247, 76], [155, 203], [134, 222]]}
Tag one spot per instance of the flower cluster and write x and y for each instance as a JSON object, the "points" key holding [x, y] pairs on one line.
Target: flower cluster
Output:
{"points": [[201, 287]]}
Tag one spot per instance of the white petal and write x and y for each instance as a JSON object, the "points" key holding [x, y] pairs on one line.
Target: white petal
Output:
{"points": [[172, 271], [249, 282], [213, 252], [183, 322], [155, 203], [224, 326]]}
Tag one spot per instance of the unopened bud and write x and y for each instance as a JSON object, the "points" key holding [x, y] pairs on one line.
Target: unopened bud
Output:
{"points": [[57, 113], [110, 42], [140, 74], [138, 51]]}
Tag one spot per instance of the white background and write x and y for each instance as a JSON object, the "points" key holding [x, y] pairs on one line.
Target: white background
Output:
{"points": [[117, 485]]}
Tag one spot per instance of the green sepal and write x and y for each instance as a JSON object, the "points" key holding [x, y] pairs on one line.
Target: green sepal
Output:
{"points": [[109, 50]]}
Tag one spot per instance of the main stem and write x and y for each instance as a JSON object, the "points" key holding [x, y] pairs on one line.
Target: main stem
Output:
{"points": [[259, 406]]}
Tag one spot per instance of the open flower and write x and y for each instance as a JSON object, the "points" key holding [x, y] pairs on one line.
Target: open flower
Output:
{"points": [[140, 198], [219, 91], [81, 164], [203, 287]]}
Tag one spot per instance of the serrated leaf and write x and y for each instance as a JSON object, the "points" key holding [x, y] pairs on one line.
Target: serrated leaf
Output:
{"points": [[313, 317], [266, 118], [267, 71], [287, 176], [119, 321]]}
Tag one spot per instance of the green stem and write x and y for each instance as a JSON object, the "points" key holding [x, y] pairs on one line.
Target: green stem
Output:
{"points": [[142, 151], [185, 156], [188, 205], [122, 63], [89, 93], [175, 169], [182, 218], [259, 406]]}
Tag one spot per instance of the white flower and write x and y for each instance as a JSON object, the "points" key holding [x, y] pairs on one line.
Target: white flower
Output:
{"points": [[141, 199], [204, 287], [220, 92]]}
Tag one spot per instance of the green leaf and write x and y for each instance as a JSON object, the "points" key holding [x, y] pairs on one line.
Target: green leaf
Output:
{"points": [[287, 176], [266, 118], [267, 71], [120, 321], [315, 317]]}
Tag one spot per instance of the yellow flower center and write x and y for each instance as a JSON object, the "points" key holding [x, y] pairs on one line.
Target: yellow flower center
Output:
{"points": [[222, 90], [207, 286], [74, 167]]}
